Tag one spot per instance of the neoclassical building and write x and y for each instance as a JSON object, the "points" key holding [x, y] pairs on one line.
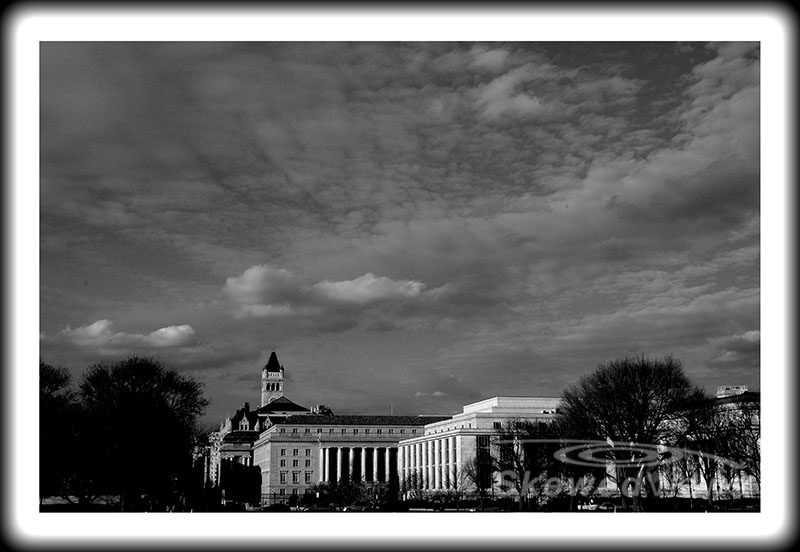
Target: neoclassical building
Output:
{"points": [[234, 441], [295, 447], [435, 459], [302, 451], [291, 448]]}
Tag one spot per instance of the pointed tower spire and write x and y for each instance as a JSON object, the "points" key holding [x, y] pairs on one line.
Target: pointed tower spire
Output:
{"points": [[271, 380], [272, 364]]}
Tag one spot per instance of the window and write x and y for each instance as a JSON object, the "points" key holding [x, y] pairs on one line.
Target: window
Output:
{"points": [[496, 425], [283, 477], [308, 430], [294, 491], [319, 430], [307, 491], [413, 431], [283, 463], [391, 431], [295, 477], [294, 430], [308, 463], [330, 430], [281, 492], [355, 431], [295, 463], [283, 430], [308, 477], [283, 452], [380, 431], [244, 425], [402, 431], [366, 430], [295, 452], [343, 431]]}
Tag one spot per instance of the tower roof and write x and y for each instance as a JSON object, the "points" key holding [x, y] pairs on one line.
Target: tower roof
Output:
{"points": [[272, 364], [281, 404]]}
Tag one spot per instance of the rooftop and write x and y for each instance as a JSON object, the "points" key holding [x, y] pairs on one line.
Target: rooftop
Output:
{"points": [[281, 404], [364, 420], [272, 364]]}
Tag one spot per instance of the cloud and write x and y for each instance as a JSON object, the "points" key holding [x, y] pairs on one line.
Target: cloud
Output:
{"points": [[99, 335], [265, 291], [559, 203], [741, 350], [493, 60], [434, 394], [263, 284], [505, 95], [368, 288]]}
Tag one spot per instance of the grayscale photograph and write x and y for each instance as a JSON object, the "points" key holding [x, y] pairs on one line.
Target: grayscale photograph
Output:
{"points": [[442, 277]]}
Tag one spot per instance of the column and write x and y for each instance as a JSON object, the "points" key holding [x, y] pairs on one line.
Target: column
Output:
{"points": [[401, 465], [420, 468], [323, 464], [338, 464], [437, 464], [426, 461], [360, 461], [374, 464], [431, 465], [423, 464], [350, 463], [453, 465], [387, 463], [443, 445]]}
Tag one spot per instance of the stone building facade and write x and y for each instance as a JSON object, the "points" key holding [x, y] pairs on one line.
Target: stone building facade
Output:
{"points": [[303, 451], [437, 459]]}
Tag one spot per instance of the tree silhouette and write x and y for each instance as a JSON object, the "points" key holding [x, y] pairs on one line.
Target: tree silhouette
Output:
{"points": [[57, 416], [630, 400], [143, 418]]}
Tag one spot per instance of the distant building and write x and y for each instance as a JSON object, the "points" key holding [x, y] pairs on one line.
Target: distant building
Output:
{"points": [[737, 410], [300, 452], [234, 440], [436, 459], [729, 390], [294, 447], [290, 449]]}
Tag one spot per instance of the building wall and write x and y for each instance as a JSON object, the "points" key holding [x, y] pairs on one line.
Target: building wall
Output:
{"points": [[432, 468], [320, 440]]}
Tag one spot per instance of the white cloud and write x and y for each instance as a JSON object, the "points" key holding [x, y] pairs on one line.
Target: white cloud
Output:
{"points": [[264, 291], [368, 288], [172, 336], [99, 335], [263, 284], [504, 96]]}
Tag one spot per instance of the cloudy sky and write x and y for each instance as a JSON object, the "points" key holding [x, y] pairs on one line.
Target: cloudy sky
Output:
{"points": [[411, 226]]}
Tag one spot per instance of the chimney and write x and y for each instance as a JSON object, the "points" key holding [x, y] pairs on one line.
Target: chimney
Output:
{"points": [[246, 407]]}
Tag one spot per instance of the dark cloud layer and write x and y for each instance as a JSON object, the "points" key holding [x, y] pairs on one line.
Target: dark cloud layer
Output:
{"points": [[458, 219]]}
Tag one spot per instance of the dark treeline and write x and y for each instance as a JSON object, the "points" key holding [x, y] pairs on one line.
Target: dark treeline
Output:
{"points": [[127, 432]]}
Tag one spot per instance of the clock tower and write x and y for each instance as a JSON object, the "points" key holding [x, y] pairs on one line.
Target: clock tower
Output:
{"points": [[271, 380]]}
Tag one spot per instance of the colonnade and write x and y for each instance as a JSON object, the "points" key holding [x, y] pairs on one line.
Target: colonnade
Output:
{"points": [[368, 464], [430, 464]]}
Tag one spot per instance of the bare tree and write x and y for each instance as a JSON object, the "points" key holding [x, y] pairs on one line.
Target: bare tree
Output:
{"points": [[727, 438], [747, 442], [525, 449], [478, 472], [629, 400], [457, 484]]}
